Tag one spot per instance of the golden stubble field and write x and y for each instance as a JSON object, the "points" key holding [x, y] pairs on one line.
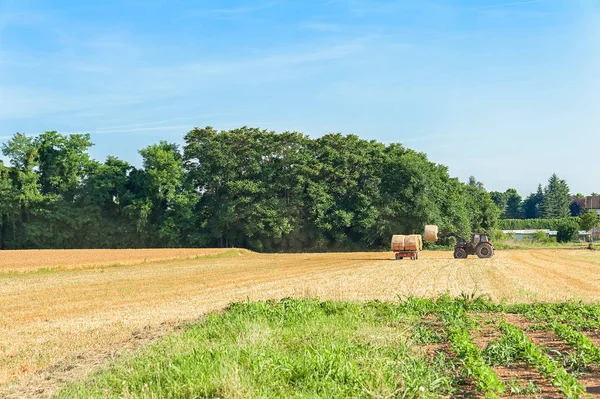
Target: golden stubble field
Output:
{"points": [[63, 313]]}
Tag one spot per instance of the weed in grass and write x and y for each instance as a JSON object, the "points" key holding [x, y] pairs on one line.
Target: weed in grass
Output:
{"points": [[538, 327], [423, 334], [575, 362], [501, 352], [520, 387]]}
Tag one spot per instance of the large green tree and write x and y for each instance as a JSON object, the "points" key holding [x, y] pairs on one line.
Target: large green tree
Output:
{"points": [[500, 199], [157, 201], [533, 204], [514, 205], [510, 203], [483, 212], [248, 182], [557, 199], [21, 195], [63, 162]]}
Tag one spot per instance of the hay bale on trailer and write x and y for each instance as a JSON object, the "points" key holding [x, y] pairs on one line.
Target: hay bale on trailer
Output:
{"points": [[413, 243], [407, 246], [431, 233], [398, 242]]}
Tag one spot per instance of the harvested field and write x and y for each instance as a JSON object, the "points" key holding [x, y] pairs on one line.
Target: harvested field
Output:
{"points": [[30, 260], [65, 312]]}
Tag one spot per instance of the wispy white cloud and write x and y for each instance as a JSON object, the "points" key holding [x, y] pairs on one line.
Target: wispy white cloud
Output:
{"points": [[507, 4], [236, 11], [125, 83]]}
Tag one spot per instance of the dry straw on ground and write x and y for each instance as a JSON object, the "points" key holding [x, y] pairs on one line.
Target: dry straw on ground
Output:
{"points": [[28, 260], [66, 319]]}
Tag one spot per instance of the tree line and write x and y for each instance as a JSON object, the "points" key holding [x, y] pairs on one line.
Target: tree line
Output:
{"points": [[245, 187], [551, 202]]}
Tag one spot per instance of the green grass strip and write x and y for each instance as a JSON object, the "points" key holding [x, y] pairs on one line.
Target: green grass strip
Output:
{"points": [[582, 344], [286, 349], [529, 352]]}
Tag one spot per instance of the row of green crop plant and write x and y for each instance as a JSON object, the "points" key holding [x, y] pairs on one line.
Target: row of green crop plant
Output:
{"points": [[458, 326], [514, 346], [579, 315]]}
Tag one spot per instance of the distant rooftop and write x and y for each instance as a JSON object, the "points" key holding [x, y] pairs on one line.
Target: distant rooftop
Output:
{"points": [[592, 202]]}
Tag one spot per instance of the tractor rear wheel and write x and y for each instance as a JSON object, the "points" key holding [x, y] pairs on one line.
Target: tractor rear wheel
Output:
{"points": [[485, 251], [460, 253]]}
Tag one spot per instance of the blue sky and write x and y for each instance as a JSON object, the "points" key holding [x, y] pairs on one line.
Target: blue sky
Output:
{"points": [[505, 90]]}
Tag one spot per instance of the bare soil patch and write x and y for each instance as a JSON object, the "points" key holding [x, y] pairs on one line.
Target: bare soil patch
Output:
{"points": [[526, 373]]}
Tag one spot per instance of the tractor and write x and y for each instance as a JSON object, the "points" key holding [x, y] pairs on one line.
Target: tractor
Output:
{"points": [[480, 245]]}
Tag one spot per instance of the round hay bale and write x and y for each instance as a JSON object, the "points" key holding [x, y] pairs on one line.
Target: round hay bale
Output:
{"points": [[413, 243], [431, 233], [398, 242]]}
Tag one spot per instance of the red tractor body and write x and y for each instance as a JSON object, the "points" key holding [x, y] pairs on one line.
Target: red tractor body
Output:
{"points": [[480, 245]]}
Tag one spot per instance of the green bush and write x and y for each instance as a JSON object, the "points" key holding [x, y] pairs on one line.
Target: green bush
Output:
{"points": [[499, 235], [589, 220], [540, 236], [567, 231]]}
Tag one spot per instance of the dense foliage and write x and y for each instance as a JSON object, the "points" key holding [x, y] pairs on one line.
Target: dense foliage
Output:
{"points": [[246, 187], [552, 202]]}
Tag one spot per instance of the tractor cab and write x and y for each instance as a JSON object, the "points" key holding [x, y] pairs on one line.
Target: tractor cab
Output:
{"points": [[479, 238]]}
